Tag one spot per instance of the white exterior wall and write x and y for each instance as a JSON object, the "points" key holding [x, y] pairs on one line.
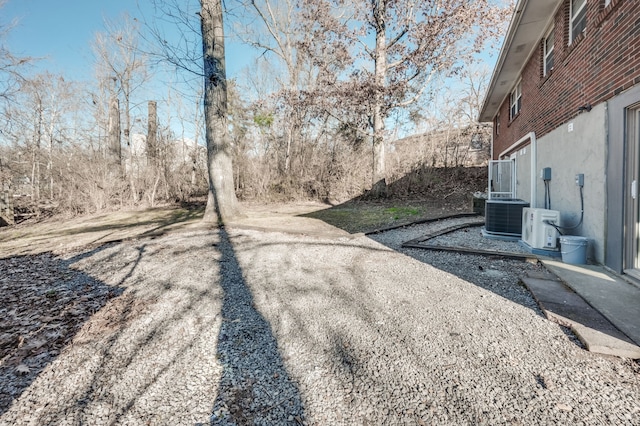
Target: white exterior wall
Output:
{"points": [[582, 150], [523, 173]]}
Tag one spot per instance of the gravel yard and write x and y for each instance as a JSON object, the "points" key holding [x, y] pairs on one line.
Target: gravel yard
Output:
{"points": [[253, 327]]}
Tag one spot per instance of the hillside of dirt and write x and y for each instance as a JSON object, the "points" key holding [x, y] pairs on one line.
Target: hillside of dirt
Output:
{"points": [[425, 193], [444, 185]]}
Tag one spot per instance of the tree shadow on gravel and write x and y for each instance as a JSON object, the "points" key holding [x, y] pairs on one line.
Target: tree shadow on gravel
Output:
{"points": [[497, 274], [255, 387], [44, 302], [83, 403], [493, 273], [487, 272]]}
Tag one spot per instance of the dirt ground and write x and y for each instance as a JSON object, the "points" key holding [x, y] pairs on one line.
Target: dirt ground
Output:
{"points": [[56, 235], [423, 194]]}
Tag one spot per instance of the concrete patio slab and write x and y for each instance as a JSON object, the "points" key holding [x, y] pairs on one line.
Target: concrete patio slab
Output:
{"points": [[614, 298], [564, 306]]}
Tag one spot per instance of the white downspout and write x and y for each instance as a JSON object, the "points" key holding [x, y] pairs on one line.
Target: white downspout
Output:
{"points": [[534, 162], [491, 155], [534, 170]]}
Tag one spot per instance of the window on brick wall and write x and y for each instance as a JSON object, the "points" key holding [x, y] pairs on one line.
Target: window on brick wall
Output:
{"points": [[578, 20], [497, 124], [515, 101], [548, 52]]}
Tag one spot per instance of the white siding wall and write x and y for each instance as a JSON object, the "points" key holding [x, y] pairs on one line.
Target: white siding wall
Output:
{"points": [[582, 150]]}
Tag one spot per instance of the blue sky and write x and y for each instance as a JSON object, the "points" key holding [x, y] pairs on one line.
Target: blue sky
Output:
{"points": [[60, 32]]}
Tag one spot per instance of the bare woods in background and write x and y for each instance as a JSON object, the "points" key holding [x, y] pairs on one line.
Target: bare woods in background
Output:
{"points": [[58, 161], [296, 130], [71, 149], [55, 158]]}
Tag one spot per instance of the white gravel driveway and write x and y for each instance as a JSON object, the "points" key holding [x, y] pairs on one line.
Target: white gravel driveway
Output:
{"points": [[274, 328]]}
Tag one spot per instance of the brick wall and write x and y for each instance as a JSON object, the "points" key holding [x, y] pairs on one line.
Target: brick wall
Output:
{"points": [[599, 64]]}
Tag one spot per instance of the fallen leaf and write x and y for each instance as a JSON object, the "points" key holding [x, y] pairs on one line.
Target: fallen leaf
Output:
{"points": [[35, 344], [22, 369]]}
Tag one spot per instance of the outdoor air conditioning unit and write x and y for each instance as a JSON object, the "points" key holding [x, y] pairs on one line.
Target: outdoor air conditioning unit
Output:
{"points": [[504, 216], [537, 233]]}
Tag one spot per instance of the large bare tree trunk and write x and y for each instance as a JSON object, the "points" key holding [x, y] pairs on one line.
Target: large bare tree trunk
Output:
{"points": [[35, 174], [113, 132], [287, 156], [222, 203], [152, 133], [379, 183]]}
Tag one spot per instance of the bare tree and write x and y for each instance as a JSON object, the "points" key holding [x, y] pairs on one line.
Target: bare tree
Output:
{"points": [[38, 125], [11, 66], [400, 47], [278, 33], [207, 63], [119, 60], [222, 203], [114, 148], [451, 115], [118, 53], [152, 132]]}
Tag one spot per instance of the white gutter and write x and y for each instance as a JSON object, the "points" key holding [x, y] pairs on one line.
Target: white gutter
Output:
{"points": [[502, 56], [534, 163], [528, 24]]}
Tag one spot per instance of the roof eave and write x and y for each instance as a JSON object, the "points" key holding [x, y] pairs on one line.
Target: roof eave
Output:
{"points": [[528, 24]]}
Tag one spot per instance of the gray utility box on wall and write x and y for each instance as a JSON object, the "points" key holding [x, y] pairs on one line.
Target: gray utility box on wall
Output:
{"points": [[504, 216]]}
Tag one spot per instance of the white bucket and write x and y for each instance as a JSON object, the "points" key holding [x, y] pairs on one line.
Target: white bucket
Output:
{"points": [[574, 249]]}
